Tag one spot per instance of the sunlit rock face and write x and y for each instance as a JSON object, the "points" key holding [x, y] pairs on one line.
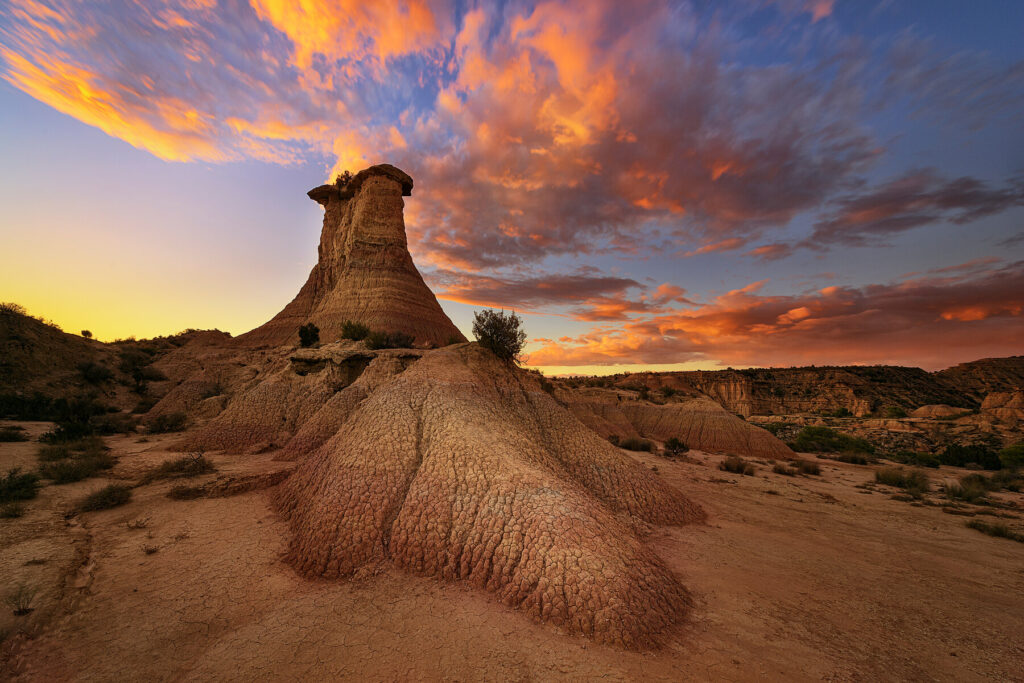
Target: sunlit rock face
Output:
{"points": [[365, 272]]}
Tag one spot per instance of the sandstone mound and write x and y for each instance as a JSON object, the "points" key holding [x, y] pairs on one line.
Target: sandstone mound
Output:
{"points": [[699, 422], [452, 464], [365, 272], [936, 410]]}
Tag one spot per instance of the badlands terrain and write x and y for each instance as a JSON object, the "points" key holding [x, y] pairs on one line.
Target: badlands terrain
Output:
{"points": [[392, 501]]}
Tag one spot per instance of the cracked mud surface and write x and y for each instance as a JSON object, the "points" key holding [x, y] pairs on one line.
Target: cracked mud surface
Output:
{"points": [[817, 581]]}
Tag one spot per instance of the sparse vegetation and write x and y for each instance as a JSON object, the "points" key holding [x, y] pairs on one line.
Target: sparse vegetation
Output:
{"points": [[675, 447], [633, 443], [107, 497], [914, 458], [779, 468], [914, 482], [614, 439], [95, 373], [74, 469], [309, 334], [353, 330], [9, 434], [1012, 457], [168, 422], [895, 412], [11, 510], [192, 465], [736, 465], [839, 412], [20, 600], [806, 467], [183, 492], [501, 333], [826, 440], [979, 455], [967, 491], [389, 340], [16, 486], [776, 428], [87, 334], [997, 529]]}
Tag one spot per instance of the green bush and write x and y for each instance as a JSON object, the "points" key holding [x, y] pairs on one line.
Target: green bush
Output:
{"points": [[913, 481], [969, 492], [736, 465], [499, 332], [107, 497], [895, 412], [9, 434], [354, 330], [841, 412], [826, 440], [675, 447], [914, 458], [775, 428], [309, 334], [1012, 457], [168, 422], [956, 455], [389, 340], [633, 443], [74, 469], [16, 486]]}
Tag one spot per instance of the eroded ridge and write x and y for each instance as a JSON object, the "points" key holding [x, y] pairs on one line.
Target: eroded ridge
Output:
{"points": [[462, 468]]}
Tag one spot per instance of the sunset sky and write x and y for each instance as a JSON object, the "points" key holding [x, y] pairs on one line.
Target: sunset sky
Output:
{"points": [[652, 185]]}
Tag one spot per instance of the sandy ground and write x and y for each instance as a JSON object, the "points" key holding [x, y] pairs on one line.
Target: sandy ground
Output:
{"points": [[805, 578]]}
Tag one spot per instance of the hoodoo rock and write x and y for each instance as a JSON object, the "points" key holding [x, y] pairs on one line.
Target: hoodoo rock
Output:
{"points": [[365, 272]]}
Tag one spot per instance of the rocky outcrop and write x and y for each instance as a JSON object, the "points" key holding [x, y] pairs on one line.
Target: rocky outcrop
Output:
{"points": [[453, 464], [1006, 407], [699, 422], [364, 272], [940, 411]]}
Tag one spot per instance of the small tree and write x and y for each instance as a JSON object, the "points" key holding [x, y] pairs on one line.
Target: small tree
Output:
{"points": [[309, 334], [343, 178], [502, 333], [87, 334]]}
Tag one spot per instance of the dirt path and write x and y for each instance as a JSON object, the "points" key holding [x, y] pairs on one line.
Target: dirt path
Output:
{"points": [[818, 580]]}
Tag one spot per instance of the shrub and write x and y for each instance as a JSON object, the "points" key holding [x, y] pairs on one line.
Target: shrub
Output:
{"points": [[668, 392], [957, 455], [736, 465], [354, 331], [183, 492], [614, 439], [914, 458], [453, 340], [75, 469], [87, 334], [11, 510], [9, 434], [309, 334], [825, 440], [1012, 457], [998, 530], [775, 428], [107, 497], [144, 405], [16, 486], [806, 467], [840, 412], [674, 447], [913, 481], [389, 340], [499, 332], [633, 443], [95, 373], [967, 491], [11, 307], [168, 422], [116, 423], [779, 468], [20, 600], [895, 412], [191, 465]]}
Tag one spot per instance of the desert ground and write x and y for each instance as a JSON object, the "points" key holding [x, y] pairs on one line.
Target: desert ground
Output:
{"points": [[824, 577]]}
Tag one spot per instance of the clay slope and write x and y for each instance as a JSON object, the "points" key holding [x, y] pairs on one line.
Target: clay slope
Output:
{"points": [[365, 272], [699, 422], [450, 463]]}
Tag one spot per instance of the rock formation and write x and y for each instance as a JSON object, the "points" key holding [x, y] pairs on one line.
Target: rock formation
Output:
{"points": [[698, 421], [365, 272], [453, 464]]}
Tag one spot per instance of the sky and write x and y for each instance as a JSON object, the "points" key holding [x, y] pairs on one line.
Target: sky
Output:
{"points": [[651, 185]]}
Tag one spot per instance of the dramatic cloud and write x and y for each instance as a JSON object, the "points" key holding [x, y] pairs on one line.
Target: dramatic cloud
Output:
{"points": [[918, 198], [930, 322]]}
